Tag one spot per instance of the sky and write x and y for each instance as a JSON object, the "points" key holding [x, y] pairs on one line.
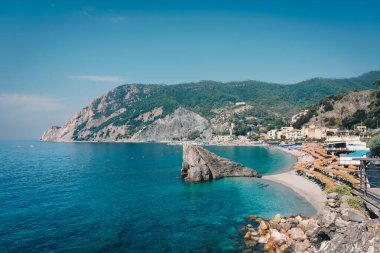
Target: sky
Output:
{"points": [[56, 56]]}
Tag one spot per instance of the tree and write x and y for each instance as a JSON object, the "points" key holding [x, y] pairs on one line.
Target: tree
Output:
{"points": [[374, 144], [377, 82]]}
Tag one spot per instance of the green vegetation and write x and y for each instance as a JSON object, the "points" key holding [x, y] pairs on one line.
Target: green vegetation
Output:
{"points": [[369, 118], [194, 135], [355, 202], [374, 144], [340, 189], [273, 104]]}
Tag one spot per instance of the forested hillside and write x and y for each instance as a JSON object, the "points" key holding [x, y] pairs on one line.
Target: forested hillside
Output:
{"points": [[128, 110]]}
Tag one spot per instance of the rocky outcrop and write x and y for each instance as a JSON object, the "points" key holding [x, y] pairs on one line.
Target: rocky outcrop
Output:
{"points": [[339, 228], [333, 110], [200, 165], [358, 237], [177, 125]]}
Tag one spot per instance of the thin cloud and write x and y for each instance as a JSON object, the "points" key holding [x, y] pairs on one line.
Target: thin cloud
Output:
{"points": [[95, 78], [28, 102], [116, 19], [86, 11]]}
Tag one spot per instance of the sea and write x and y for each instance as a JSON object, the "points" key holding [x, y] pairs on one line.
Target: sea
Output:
{"points": [[126, 197]]}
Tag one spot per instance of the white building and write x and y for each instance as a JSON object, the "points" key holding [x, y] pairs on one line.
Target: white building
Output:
{"points": [[272, 134], [346, 142], [349, 159]]}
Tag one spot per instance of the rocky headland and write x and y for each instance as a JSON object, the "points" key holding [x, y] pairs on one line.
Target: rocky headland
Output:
{"points": [[200, 165], [343, 226]]}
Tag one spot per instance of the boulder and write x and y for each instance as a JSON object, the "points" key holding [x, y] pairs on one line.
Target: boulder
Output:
{"points": [[276, 225], [201, 165], [302, 246], [263, 225], [350, 214], [327, 217], [297, 234], [248, 235], [333, 195], [278, 237], [270, 245], [358, 237], [263, 239], [332, 203], [341, 223], [311, 227], [251, 217], [277, 218], [285, 227]]}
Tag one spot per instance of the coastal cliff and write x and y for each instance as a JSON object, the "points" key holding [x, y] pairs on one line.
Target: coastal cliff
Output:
{"points": [[202, 165], [195, 111]]}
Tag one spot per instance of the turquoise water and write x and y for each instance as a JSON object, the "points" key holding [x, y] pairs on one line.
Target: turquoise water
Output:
{"points": [[102, 197]]}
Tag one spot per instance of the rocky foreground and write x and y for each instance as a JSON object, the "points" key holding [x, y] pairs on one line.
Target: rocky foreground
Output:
{"points": [[200, 165], [340, 228]]}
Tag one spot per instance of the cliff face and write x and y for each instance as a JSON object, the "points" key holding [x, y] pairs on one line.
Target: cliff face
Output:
{"points": [[122, 115], [177, 125], [358, 237], [344, 107], [202, 165], [354, 108]]}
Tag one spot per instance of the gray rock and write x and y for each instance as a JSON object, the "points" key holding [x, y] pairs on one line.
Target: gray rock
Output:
{"points": [[200, 165], [333, 195], [358, 237], [302, 246], [327, 217], [341, 223], [311, 227], [297, 234], [331, 203], [350, 214]]}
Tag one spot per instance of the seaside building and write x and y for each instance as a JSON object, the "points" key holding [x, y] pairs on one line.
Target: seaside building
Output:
{"points": [[294, 135], [345, 143], [317, 132], [240, 103], [349, 159], [272, 134], [289, 132]]}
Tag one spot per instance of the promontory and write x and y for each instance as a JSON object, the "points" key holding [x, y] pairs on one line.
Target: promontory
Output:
{"points": [[200, 165]]}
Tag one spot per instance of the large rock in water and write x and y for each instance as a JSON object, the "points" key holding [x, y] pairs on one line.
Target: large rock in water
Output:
{"points": [[202, 165]]}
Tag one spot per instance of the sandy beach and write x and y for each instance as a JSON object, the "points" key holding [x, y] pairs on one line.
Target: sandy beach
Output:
{"points": [[307, 189]]}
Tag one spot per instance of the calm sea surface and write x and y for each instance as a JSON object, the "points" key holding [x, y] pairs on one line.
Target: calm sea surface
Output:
{"points": [[100, 197]]}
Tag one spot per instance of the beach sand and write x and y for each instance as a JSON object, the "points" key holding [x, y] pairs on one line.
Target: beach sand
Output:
{"points": [[307, 189], [304, 187]]}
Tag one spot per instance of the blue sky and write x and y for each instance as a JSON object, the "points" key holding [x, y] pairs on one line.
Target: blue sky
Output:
{"points": [[56, 56]]}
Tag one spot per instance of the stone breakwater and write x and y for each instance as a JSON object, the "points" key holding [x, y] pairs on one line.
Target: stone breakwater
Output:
{"points": [[339, 228], [200, 165]]}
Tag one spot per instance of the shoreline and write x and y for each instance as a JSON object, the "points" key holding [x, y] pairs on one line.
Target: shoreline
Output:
{"points": [[304, 187]]}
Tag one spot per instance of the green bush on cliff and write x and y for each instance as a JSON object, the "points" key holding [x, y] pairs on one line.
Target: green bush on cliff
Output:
{"points": [[374, 144], [355, 202], [340, 189]]}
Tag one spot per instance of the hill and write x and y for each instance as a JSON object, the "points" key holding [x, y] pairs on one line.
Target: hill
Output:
{"points": [[141, 112], [345, 111]]}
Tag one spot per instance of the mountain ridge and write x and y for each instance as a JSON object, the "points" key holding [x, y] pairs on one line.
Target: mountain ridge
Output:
{"points": [[118, 115]]}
